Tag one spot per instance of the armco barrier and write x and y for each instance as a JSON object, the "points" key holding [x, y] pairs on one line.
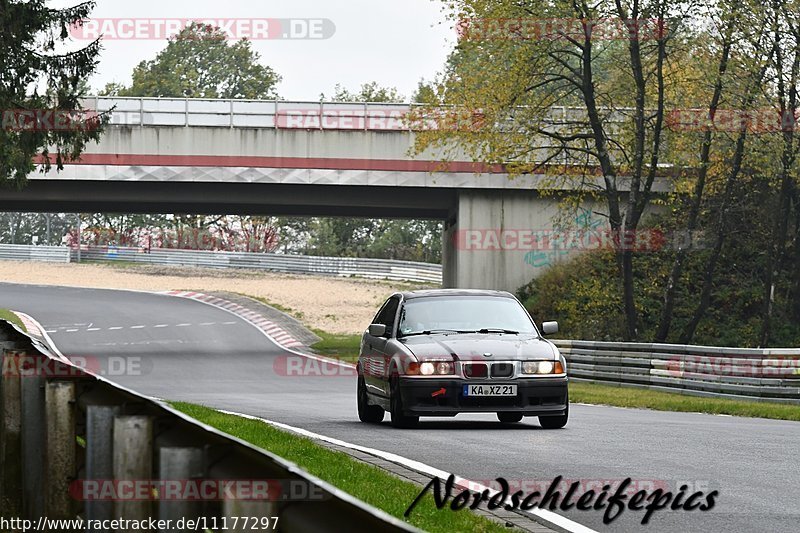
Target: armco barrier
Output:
{"points": [[294, 264], [49, 254], [62, 431], [735, 373]]}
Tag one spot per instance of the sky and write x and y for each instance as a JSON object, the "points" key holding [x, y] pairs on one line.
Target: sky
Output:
{"points": [[393, 42]]}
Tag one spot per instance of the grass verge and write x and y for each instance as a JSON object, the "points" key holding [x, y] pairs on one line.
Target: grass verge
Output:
{"points": [[667, 401], [282, 308], [5, 314], [367, 483], [345, 347]]}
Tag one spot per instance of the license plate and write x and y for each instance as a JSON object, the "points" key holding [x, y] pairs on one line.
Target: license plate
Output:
{"points": [[490, 390]]}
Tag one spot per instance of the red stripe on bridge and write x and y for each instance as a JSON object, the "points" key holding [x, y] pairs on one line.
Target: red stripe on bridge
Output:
{"points": [[310, 163]]}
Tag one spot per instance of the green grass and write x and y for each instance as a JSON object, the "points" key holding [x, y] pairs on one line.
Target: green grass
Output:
{"points": [[344, 347], [288, 310], [666, 401], [365, 482], [5, 314]]}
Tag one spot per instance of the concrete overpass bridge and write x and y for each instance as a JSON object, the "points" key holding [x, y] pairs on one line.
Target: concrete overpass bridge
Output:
{"points": [[298, 158]]}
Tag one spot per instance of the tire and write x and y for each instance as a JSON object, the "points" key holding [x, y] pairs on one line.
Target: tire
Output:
{"points": [[370, 414], [555, 422], [509, 418], [399, 418]]}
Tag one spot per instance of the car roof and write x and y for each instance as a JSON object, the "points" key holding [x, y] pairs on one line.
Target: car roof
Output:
{"points": [[410, 295]]}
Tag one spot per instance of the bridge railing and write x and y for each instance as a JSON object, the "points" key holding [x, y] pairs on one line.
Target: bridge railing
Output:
{"points": [[282, 114], [74, 444], [735, 373]]}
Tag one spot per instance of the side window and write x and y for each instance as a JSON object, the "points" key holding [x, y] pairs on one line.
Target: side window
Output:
{"points": [[387, 314], [379, 318]]}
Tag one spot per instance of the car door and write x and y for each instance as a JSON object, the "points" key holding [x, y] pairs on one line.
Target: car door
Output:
{"points": [[375, 349], [376, 364]]}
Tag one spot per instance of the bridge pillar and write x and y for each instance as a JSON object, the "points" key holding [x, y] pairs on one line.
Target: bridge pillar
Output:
{"points": [[501, 239]]}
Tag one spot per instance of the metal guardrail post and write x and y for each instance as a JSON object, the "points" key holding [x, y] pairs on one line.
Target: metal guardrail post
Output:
{"points": [[61, 448], [179, 464], [99, 456], [33, 437], [234, 510], [10, 437], [133, 461]]}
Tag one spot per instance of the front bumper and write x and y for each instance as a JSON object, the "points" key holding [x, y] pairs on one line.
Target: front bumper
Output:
{"points": [[535, 396]]}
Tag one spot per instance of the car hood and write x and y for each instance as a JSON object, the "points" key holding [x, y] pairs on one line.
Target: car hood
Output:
{"points": [[467, 346]]}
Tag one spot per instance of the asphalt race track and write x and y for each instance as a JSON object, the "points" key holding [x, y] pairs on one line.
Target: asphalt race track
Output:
{"points": [[180, 349]]}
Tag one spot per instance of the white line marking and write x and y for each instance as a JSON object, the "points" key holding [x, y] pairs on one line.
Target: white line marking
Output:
{"points": [[137, 327], [71, 330], [47, 338], [182, 325], [543, 514], [272, 340], [93, 329], [50, 330], [207, 323], [115, 328], [160, 326]]}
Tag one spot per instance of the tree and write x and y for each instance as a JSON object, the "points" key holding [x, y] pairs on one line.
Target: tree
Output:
{"points": [[427, 93], [512, 80], [199, 63], [35, 78], [737, 61], [368, 92]]}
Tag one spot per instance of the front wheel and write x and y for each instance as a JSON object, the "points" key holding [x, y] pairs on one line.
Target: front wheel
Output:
{"points": [[555, 422], [399, 418], [371, 414]]}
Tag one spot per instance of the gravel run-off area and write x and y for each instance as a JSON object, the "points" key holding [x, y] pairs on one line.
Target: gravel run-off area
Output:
{"points": [[335, 305]]}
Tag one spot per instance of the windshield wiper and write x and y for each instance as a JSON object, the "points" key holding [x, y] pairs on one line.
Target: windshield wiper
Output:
{"points": [[431, 332], [497, 330]]}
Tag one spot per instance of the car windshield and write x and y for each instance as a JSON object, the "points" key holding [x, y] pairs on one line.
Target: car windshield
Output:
{"points": [[483, 314]]}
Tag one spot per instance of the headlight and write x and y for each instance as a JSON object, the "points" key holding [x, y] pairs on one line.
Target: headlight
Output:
{"points": [[530, 367], [543, 367], [431, 368], [546, 367]]}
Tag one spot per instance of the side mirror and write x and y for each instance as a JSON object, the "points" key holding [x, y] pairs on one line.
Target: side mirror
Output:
{"points": [[377, 330], [549, 328]]}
